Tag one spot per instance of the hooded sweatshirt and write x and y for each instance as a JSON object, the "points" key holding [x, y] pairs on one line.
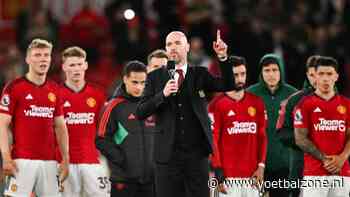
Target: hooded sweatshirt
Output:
{"points": [[277, 154]]}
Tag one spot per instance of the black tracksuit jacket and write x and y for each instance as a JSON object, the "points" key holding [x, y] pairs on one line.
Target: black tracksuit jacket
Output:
{"points": [[132, 160]]}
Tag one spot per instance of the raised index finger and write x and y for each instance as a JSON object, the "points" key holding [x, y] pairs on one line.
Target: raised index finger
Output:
{"points": [[218, 37]]}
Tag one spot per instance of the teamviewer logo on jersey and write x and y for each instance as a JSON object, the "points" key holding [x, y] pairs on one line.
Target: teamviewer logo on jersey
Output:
{"points": [[330, 125], [242, 127], [39, 111]]}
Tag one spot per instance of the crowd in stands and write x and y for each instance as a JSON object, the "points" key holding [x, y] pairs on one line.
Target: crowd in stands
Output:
{"points": [[293, 29]]}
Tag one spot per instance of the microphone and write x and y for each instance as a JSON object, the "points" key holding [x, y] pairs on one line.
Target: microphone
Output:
{"points": [[171, 71]]}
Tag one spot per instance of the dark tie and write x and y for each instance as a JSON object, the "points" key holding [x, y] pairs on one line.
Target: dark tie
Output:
{"points": [[181, 77]]}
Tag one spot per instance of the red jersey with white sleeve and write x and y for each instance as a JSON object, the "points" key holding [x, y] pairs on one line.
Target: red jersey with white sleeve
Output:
{"points": [[239, 135], [326, 121], [81, 110], [33, 109]]}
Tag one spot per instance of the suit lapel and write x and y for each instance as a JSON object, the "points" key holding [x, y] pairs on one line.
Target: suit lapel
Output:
{"points": [[189, 79]]}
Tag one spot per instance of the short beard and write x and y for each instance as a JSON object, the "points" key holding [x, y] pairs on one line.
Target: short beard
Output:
{"points": [[240, 86]]}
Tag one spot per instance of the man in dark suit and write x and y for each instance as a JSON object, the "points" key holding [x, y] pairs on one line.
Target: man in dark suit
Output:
{"points": [[184, 140]]}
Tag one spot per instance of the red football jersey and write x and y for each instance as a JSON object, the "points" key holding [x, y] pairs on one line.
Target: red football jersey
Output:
{"points": [[326, 122], [81, 110], [239, 135], [33, 109]]}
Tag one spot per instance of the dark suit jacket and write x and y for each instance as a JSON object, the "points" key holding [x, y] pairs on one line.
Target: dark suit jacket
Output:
{"points": [[154, 102]]}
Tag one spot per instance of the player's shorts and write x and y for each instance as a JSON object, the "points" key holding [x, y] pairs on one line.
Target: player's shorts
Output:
{"points": [[325, 186], [33, 176], [237, 187], [88, 180]]}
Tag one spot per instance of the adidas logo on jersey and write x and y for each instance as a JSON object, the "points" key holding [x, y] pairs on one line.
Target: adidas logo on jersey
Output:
{"points": [[231, 113], [29, 97], [66, 104], [317, 110], [131, 117]]}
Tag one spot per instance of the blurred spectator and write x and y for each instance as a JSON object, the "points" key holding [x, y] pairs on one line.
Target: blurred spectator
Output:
{"points": [[197, 55], [63, 11], [12, 65], [15, 65], [39, 27], [292, 57], [250, 38], [156, 59], [87, 30], [171, 16], [106, 71], [199, 21], [35, 22], [302, 28], [129, 36]]}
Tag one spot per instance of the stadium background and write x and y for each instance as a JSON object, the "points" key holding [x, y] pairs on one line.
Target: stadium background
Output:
{"points": [[294, 29]]}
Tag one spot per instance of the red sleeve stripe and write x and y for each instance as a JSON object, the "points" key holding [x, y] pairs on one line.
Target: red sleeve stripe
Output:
{"points": [[282, 111], [105, 115], [282, 114]]}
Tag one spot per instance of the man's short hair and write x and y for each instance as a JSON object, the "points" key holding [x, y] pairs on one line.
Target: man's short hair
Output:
{"points": [[269, 60], [237, 61], [134, 66], [311, 62], [159, 53], [39, 44], [327, 61], [73, 52]]}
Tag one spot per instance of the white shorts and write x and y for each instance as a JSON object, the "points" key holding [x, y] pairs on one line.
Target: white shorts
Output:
{"points": [[33, 176], [326, 186], [239, 187], [88, 180]]}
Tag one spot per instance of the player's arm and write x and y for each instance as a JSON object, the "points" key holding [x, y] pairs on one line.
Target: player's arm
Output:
{"points": [[216, 156], [8, 165], [305, 144], [62, 140], [150, 100], [262, 137], [262, 144], [223, 83], [301, 132], [5, 121], [104, 140], [346, 152]]}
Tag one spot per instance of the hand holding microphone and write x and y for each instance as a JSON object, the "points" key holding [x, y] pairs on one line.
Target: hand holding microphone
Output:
{"points": [[171, 86]]}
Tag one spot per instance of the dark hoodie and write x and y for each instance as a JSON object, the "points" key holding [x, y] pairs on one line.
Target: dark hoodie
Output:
{"points": [[285, 129], [130, 157], [277, 154]]}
